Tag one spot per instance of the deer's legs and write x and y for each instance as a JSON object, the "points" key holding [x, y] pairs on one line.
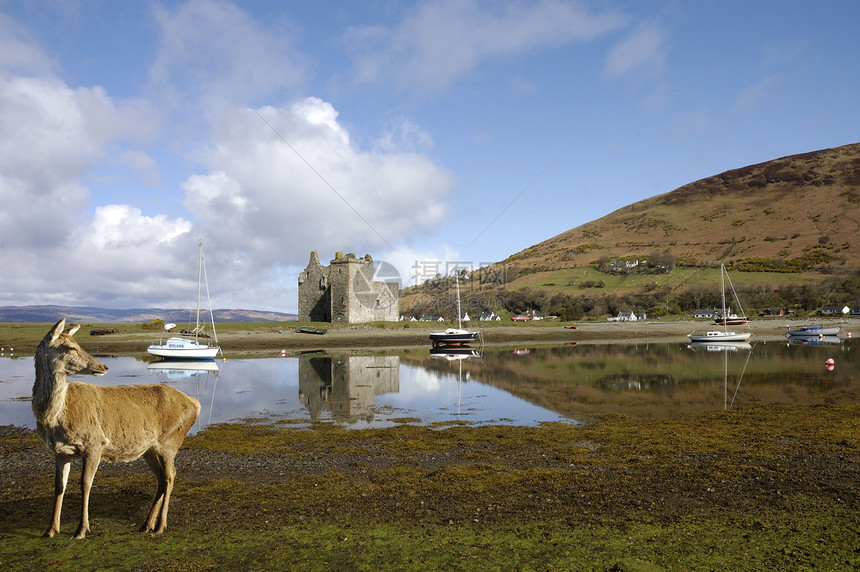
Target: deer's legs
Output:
{"points": [[164, 471], [61, 477], [91, 461]]}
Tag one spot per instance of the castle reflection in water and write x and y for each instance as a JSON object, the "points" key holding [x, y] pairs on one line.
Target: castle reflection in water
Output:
{"points": [[346, 386]]}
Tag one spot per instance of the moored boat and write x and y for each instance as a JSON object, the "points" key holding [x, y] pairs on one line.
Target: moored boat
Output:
{"points": [[178, 348], [731, 320], [454, 336], [720, 336], [814, 330], [183, 349], [724, 319]]}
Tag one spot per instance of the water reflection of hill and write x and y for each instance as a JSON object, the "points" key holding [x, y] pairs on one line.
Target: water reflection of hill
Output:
{"points": [[666, 379]]}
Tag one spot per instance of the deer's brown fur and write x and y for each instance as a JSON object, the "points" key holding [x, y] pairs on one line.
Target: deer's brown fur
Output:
{"points": [[114, 423]]}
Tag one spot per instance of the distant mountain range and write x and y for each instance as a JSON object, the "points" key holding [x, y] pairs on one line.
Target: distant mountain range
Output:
{"points": [[138, 315]]}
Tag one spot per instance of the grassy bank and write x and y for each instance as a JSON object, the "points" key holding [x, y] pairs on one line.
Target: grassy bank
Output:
{"points": [[761, 488]]}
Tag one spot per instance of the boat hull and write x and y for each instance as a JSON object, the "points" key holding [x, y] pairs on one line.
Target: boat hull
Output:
{"points": [[453, 337], [182, 349], [814, 331], [732, 321]]}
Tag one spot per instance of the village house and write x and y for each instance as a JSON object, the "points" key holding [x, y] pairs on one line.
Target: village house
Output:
{"points": [[834, 310], [628, 317]]}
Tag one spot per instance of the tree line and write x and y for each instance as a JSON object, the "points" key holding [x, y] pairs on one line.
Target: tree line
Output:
{"points": [[654, 300]]}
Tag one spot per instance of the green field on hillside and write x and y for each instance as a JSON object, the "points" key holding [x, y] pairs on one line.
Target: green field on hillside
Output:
{"points": [[578, 279]]}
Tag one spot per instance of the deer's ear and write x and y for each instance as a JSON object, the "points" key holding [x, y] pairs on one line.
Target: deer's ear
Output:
{"points": [[57, 329], [73, 329]]}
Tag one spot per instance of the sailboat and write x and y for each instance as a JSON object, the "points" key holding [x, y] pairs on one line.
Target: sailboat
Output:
{"points": [[454, 336], [179, 348], [722, 335]]}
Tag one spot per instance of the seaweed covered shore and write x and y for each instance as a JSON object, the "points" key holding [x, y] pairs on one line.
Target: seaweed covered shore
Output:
{"points": [[749, 489]]}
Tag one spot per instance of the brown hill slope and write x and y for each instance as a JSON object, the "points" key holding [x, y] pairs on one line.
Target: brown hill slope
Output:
{"points": [[779, 209]]}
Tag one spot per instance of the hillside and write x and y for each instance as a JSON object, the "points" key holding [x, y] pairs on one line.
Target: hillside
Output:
{"points": [[778, 209], [791, 223]]}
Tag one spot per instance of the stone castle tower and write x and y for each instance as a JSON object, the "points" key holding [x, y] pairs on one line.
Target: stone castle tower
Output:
{"points": [[345, 292]]}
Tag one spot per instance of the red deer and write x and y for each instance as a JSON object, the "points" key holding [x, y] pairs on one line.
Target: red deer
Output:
{"points": [[111, 423]]}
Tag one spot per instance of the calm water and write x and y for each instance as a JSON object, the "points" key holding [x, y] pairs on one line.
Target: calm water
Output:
{"points": [[512, 386]]}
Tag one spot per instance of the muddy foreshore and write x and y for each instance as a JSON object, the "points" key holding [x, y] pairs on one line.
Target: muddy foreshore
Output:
{"points": [[260, 339]]}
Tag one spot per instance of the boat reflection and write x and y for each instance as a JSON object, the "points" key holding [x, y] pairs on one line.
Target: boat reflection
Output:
{"points": [[813, 341], [182, 370], [720, 346], [200, 372], [454, 353]]}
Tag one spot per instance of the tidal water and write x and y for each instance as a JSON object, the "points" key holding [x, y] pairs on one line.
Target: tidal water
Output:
{"points": [[512, 386]]}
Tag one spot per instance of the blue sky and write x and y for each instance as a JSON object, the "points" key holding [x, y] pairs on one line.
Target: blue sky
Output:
{"points": [[455, 131]]}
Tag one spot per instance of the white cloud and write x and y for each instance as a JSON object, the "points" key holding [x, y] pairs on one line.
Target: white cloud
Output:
{"points": [[691, 125], [266, 202], [440, 42], [754, 96], [143, 165], [18, 52], [52, 137], [212, 51], [404, 135], [643, 51]]}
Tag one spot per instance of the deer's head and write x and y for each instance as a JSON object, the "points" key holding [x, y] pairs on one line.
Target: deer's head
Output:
{"points": [[63, 354]]}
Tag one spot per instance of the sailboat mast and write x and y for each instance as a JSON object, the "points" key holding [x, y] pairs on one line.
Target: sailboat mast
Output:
{"points": [[459, 321], [199, 274], [208, 297], [723, 288]]}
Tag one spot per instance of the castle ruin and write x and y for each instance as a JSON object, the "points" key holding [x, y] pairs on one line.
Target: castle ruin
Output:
{"points": [[345, 292]]}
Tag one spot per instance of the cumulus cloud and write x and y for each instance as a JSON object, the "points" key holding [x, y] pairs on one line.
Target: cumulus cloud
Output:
{"points": [[53, 136], [439, 42], [18, 52], [271, 183], [754, 96], [644, 50], [212, 50], [283, 181], [55, 246]]}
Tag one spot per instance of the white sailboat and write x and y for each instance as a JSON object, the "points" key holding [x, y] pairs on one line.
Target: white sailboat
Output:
{"points": [[188, 348], [454, 336], [722, 335]]}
